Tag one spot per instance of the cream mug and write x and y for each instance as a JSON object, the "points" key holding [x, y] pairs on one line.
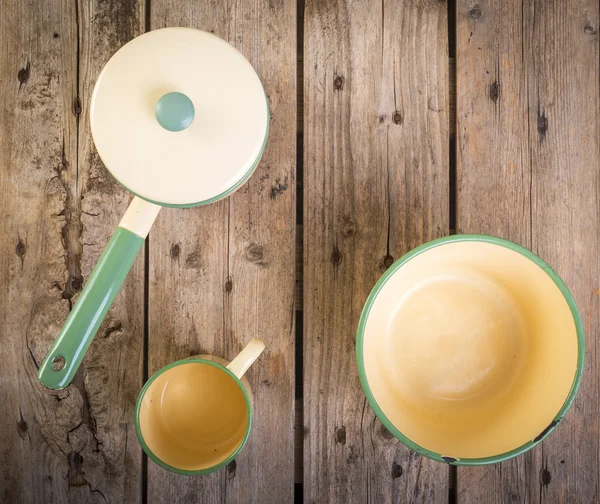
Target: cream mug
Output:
{"points": [[470, 349], [194, 415]]}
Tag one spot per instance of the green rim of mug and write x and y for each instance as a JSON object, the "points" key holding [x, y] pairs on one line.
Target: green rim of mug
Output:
{"points": [[148, 451], [361, 365]]}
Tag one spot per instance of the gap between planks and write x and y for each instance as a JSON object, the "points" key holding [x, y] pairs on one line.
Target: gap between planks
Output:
{"points": [[299, 371]]}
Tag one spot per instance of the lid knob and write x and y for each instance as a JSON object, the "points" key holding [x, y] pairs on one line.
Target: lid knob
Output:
{"points": [[174, 111]]}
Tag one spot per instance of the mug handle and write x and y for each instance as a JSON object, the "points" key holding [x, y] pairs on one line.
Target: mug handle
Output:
{"points": [[246, 357], [103, 285]]}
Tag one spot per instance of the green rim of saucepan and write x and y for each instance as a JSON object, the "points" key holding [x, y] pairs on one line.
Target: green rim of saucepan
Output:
{"points": [[155, 459], [225, 193], [360, 342]]}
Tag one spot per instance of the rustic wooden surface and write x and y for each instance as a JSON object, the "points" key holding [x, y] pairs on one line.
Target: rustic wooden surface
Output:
{"points": [[59, 206], [375, 185], [528, 108], [371, 124], [223, 274]]}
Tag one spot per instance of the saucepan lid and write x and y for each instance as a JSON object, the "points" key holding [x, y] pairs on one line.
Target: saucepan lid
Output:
{"points": [[179, 117]]}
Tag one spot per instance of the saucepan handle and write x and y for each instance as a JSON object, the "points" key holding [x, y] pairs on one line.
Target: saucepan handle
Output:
{"points": [[98, 294]]}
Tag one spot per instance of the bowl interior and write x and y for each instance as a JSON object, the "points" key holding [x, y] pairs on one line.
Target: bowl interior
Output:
{"points": [[470, 349], [193, 416]]}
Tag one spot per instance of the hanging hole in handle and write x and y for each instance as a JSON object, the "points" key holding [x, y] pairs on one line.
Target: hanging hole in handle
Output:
{"points": [[58, 363]]}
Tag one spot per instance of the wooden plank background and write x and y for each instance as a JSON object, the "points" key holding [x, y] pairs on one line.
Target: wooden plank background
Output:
{"points": [[223, 274], [230, 266], [366, 88], [59, 207], [375, 185], [528, 109]]}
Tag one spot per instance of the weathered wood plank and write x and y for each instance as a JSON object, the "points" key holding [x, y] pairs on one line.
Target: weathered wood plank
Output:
{"points": [[528, 170], [222, 274], [76, 445], [38, 136], [114, 365], [375, 185]]}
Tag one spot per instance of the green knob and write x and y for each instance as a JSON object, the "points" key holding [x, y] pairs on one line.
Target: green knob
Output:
{"points": [[174, 111]]}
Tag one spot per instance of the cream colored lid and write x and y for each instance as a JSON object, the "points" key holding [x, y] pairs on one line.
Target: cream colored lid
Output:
{"points": [[209, 158]]}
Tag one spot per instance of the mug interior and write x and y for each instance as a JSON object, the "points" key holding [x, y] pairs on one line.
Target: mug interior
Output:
{"points": [[470, 349], [193, 416]]}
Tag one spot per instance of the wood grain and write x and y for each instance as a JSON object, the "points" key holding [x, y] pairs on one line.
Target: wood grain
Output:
{"points": [[113, 368], [222, 274], [528, 170], [59, 207], [375, 185]]}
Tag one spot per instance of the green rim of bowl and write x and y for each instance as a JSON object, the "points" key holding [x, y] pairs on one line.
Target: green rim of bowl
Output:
{"points": [[155, 459], [225, 193], [360, 342]]}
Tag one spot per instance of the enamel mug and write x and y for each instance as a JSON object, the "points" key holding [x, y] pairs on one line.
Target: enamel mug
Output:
{"points": [[470, 349], [180, 118], [194, 415]]}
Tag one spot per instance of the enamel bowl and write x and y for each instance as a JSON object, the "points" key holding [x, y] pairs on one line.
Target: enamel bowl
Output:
{"points": [[470, 349]]}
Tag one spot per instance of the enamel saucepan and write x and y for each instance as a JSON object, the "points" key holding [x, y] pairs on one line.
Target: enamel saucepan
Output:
{"points": [[180, 118]]}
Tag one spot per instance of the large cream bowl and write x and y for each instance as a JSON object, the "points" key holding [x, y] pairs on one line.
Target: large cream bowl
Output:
{"points": [[470, 349]]}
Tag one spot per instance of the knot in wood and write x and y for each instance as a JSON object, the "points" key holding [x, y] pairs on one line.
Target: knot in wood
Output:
{"points": [[20, 250], [336, 257], [475, 12], [494, 91], [545, 476]]}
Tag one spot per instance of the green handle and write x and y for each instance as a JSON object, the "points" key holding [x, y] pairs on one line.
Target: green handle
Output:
{"points": [[65, 356]]}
